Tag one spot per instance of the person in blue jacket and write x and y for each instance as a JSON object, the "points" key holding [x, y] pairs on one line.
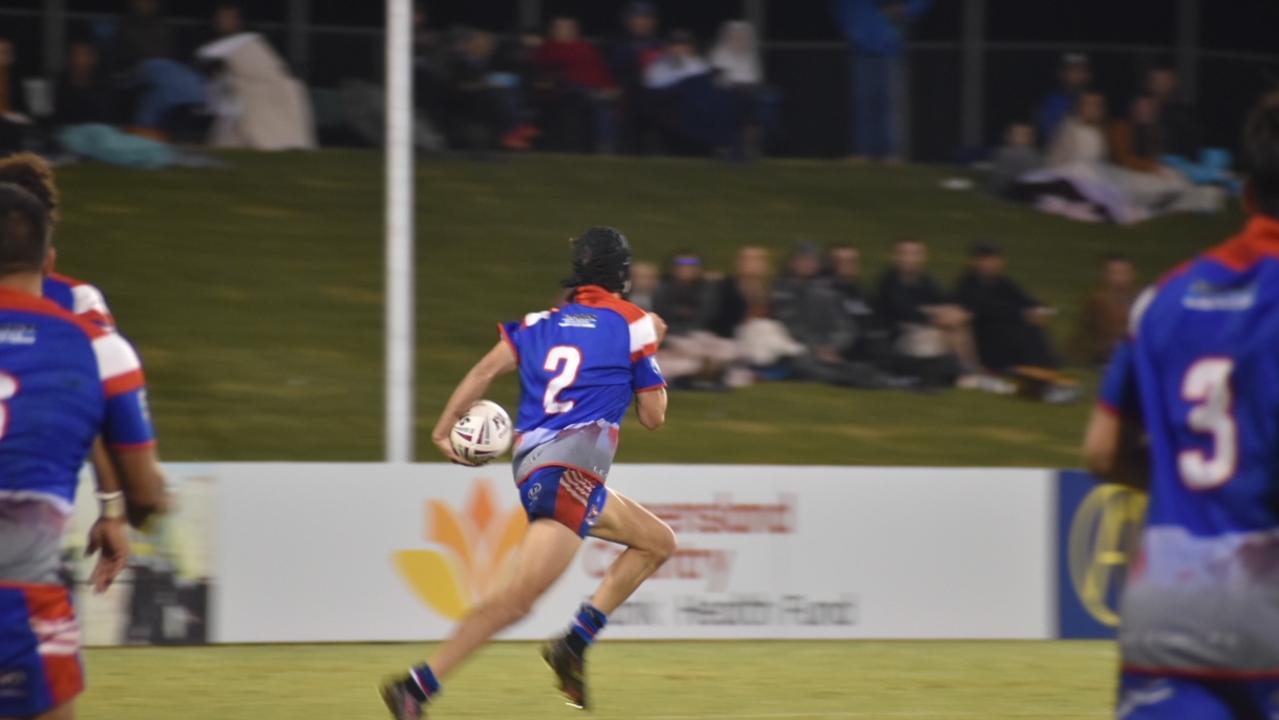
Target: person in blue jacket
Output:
{"points": [[876, 36]]}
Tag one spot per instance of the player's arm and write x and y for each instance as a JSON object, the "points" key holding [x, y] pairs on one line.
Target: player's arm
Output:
{"points": [[127, 431], [498, 361], [649, 385], [1114, 451], [129, 489], [143, 483], [108, 536], [1114, 442], [651, 408]]}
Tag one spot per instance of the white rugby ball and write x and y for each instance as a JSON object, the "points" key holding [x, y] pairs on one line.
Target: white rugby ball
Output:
{"points": [[483, 433]]}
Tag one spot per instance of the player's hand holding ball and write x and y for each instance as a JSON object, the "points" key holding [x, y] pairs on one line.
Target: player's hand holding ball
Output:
{"points": [[481, 435]]}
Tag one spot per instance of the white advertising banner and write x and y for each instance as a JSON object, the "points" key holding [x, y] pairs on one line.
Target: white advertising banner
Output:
{"points": [[368, 552]]}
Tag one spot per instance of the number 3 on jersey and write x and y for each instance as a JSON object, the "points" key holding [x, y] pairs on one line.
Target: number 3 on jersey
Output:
{"points": [[8, 388], [1207, 387], [565, 361]]}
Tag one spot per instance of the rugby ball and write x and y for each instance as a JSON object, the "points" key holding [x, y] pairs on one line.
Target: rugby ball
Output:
{"points": [[483, 433]]}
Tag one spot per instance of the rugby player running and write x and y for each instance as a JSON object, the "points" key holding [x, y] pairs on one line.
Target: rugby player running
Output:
{"points": [[580, 367]]}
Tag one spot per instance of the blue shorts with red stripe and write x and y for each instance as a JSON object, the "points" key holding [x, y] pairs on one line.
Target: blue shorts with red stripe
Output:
{"points": [[568, 496], [1145, 696], [40, 665]]}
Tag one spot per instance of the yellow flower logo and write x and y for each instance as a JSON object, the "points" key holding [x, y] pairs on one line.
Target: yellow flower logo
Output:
{"points": [[476, 547]]}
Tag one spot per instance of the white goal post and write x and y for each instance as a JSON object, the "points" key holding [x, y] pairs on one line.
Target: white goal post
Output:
{"points": [[400, 346]]}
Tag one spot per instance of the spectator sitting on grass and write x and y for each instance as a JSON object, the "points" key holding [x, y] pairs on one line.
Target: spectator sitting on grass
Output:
{"points": [[743, 305], [645, 278], [692, 355], [1018, 156], [845, 280], [578, 83], [1103, 322], [809, 307], [922, 323], [1008, 323], [1137, 141]]}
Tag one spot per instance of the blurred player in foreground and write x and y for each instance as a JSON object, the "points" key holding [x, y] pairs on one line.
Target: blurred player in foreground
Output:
{"points": [[1199, 376], [33, 174], [63, 381], [580, 367]]}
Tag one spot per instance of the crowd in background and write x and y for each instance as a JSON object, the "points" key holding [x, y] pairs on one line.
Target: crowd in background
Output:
{"points": [[127, 88], [820, 319], [1078, 160], [638, 91], [640, 88]]}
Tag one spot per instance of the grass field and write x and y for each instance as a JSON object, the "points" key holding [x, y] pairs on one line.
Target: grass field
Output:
{"points": [[632, 680], [255, 293]]}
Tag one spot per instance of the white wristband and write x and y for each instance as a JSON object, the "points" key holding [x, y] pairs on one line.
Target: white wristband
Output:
{"points": [[113, 506]]}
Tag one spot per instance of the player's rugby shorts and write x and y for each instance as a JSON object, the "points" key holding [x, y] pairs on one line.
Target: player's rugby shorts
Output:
{"points": [[40, 665], [567, 496]]}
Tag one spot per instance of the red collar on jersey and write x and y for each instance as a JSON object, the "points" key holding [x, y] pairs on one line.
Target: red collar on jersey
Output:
{"points": [[1259, 240], [596, 296], [11, 299]]}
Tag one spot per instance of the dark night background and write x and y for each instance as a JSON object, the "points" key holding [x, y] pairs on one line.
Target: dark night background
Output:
{"points": [[1237, 61]]}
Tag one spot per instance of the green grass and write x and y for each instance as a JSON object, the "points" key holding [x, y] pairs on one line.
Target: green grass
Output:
{"points": [[632, 680], [255, 294]]}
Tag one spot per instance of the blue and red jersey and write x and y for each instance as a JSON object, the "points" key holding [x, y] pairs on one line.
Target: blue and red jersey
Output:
{"points": [[79, 298], [63, 381], [1200, 372], [581, 365]]}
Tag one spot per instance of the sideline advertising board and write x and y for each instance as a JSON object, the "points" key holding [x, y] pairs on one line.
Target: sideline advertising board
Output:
{"points": [[365, 552]]}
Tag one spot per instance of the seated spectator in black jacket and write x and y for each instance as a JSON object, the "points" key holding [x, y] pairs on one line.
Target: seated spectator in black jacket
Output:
{"points": [[687, 300], [810, 308], [83, 94], [645, 278], [1008, 323], [920, 320], [845, 268]]}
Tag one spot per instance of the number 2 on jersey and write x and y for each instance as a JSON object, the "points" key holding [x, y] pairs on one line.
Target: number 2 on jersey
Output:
{"points": [[1207, 387], [570, 358]]}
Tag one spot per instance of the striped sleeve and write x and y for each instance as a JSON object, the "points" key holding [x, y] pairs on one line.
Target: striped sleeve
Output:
{"points": [[118, 365], [127, 424], [89, 303], [643, 337]]}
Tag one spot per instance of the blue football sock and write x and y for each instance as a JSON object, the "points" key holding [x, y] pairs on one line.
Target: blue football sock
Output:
{"points": [[422, 682], [586, 625]]}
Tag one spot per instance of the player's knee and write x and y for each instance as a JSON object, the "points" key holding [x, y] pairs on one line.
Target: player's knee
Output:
{"points": [[664, 543]]}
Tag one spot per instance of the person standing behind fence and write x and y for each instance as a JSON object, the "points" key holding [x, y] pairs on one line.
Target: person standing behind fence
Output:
{"points": [[876, 36], [739, 70], [628, 58]]}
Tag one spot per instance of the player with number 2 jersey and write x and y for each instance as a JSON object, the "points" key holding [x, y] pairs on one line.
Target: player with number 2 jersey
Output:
{"points": [[1199, 377], [581, 367]]}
